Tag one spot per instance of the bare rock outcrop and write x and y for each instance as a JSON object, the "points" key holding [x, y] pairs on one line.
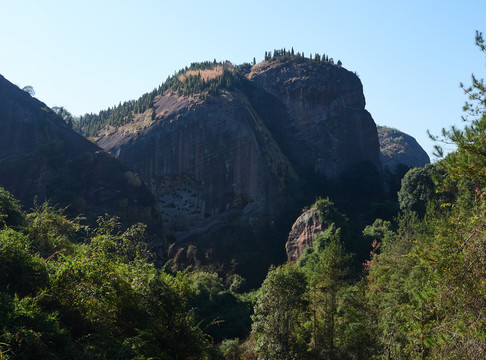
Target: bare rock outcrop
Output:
{"points": [[208, 158], [206, 161], [303, 233], [232, 164], [327, 128]]}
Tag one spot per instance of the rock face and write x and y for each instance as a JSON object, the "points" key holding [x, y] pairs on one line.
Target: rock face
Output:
{"points": [[328, 128], [212, 158], [303, 233], [41, 158], [205, 161], [397, 148]]}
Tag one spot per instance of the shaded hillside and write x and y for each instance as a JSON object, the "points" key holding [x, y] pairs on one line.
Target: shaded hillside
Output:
{"points": [[397, 148], [42, 158]]}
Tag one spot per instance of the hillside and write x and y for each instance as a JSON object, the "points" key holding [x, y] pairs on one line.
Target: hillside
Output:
{"points": [[396, 148], [42, 159]]}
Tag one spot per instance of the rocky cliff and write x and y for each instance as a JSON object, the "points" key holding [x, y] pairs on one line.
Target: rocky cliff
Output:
{"points": [[211, 157], [42, 158], [303, 234], [396, 148], [233, 153], [327, 127], [206, 160]]}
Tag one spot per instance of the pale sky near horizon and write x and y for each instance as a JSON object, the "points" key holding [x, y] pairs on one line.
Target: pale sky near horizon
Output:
{"points": [[91, 55]]}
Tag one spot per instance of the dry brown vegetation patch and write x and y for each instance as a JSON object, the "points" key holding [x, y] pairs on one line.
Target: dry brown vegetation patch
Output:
{"points": [[205, 75]]}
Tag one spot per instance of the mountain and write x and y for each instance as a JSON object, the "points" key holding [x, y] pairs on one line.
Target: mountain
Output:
{"points": [[208, 156], [41, 158], [233, 153], [398, 152], [326, 127], [396, 148]]}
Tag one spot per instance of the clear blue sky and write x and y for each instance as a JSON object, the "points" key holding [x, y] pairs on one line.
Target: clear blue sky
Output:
{"points": [[89, 55]]}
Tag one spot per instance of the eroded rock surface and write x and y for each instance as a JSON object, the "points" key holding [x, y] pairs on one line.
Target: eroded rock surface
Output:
{"points": [[303, 234], [205, 161], [210, 159], [328, 128]]}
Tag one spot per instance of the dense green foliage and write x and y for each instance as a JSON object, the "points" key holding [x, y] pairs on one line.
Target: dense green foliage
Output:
{"points": [[10, 211], [313, 309], [418, 189], [91, 124], [67, 291]]}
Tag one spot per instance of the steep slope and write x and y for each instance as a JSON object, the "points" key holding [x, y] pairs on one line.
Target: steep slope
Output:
{"points": [[396, 148], [41, 158], [327, 128], [207, 156], [205, 160]]}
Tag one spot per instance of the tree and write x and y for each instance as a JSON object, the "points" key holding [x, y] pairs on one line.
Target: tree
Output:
{"points": [[466, 167], [418, 188], [10, 210], [65, 115], [279, 314], [88, 294], [328, 214], [326, 270], [379, 231], [425, 286], [29, 89]]}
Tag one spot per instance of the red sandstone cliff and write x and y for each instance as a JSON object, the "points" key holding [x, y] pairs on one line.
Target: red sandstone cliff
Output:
{"points": [[209, 158], [303, 233]]}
